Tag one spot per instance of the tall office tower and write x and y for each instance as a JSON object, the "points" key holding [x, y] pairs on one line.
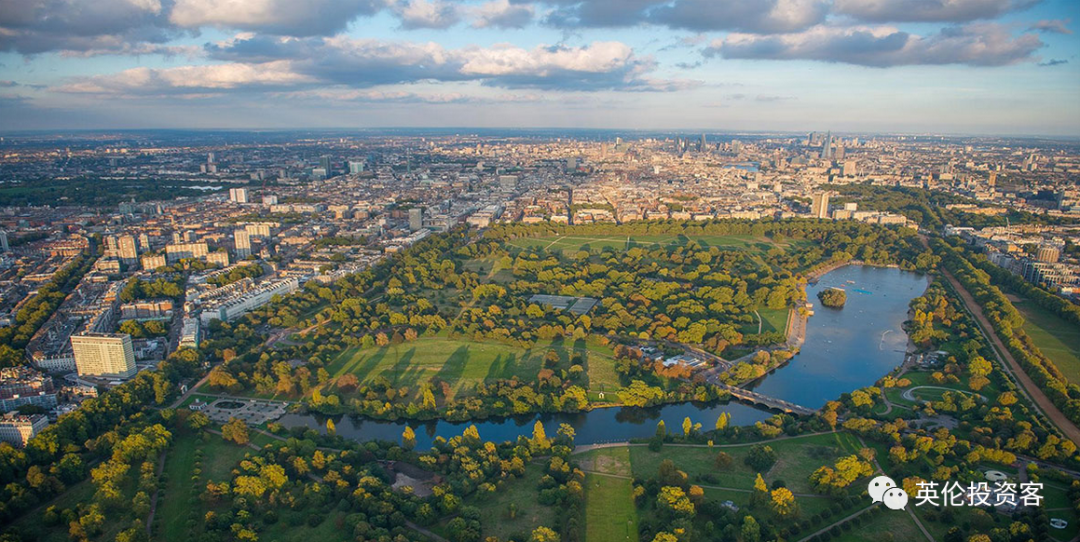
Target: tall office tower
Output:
{"points": [[104, 354], [819, 207], [416, 218], [127, 250], [4, 247], [210, 158], [239, 195], [242, 242], [701, 145], [324, 162], [144, 242], [356, 167], [826, 148]]}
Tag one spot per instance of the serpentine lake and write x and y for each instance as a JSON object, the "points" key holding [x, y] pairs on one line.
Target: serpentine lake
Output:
{"points": [[845, 349]]}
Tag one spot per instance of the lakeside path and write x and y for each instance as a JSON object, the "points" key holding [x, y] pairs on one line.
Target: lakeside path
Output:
{"points": [[1006, 359], [586, 447]]}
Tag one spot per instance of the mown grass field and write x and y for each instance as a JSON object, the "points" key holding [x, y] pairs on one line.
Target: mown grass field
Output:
{"points": [[465, 363], [610, 514], [219, 458], [1056, 338], [571, 244], [798, 459]]}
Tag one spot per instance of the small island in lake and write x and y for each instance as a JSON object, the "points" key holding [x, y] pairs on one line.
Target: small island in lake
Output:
{"points": [[833, 297]]}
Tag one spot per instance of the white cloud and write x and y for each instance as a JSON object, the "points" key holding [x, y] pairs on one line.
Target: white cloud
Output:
{"points": [[286, 17], [190, 79], [435, 14], [502, 14], [976, 44]]}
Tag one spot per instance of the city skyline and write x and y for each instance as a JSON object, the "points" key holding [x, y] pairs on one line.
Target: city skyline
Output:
{"points": [[1004, 67]]}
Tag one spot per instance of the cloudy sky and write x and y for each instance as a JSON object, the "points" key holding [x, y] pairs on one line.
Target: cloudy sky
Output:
{"points": [[955, 66]]}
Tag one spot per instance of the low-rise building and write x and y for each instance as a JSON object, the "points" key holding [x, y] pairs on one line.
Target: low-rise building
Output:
{"points": [[17, 429]]}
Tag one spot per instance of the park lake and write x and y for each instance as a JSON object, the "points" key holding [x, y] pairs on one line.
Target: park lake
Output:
{"points": [[845, 349]]}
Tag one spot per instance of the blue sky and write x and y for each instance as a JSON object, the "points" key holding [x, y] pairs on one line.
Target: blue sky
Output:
{"points": [[945, 66]]}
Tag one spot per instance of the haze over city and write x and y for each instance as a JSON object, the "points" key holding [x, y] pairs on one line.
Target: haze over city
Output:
{"points": [[946, 66]]}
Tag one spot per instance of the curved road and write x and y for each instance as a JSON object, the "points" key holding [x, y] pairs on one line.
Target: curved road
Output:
{"points": [[1067, 427]]}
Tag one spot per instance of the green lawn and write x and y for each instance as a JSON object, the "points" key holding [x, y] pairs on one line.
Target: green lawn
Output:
{"points": [[219, 458], [522, 493], [610, 514], [887, 526], [798, 459], [774, 320], [464, 363], [292, 527], [1056, 338]]}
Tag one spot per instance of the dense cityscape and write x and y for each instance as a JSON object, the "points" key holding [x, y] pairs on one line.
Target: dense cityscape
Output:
{"points": [[539, 271], [225, 276]]}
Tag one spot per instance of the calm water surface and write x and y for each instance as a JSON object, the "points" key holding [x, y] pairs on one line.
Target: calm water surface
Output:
{"points": [[851, 347], [845, 349]]}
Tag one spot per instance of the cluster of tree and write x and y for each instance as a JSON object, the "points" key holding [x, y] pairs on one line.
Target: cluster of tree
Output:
{"points": [[756, 367], [143, 330], [834, 298], [136, 288], [92, 191], [34, 312], [1068, 311], [476, 471], [929, 207], [1007, 323], [675, 510], [237, 273], [86, 435]]}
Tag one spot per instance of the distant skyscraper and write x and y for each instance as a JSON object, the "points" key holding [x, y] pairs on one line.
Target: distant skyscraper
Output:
{"points": [[701, 145], [819, 207], [4, 241], [238, 195], [210, 158], [416, 218], [849, 168], [356, 167], [103, 354], [324, 162], [242, 242], [826, 148]]}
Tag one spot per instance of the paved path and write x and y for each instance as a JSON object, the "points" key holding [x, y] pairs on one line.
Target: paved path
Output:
{"points": [[1009, 363], [838, 522], [911, 396], [154, 497], [191, 390]]}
